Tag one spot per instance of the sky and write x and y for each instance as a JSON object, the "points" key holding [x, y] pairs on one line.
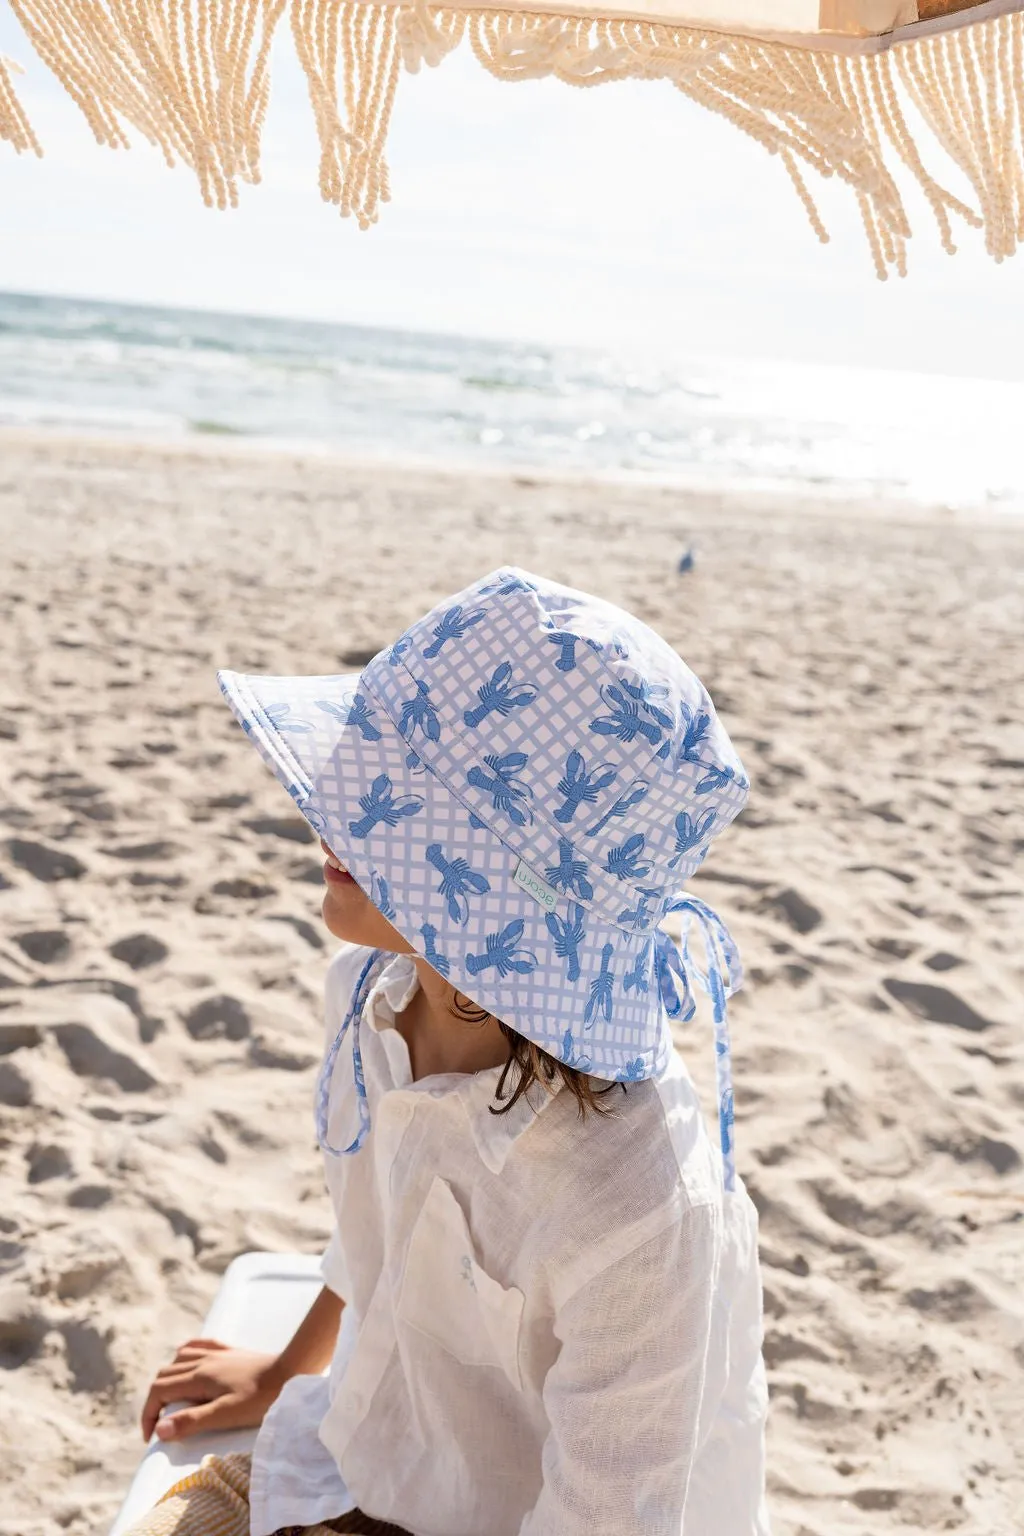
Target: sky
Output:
{"points": [[621, 215]]}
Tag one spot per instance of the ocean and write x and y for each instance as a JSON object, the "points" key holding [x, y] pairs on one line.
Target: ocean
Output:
{"points": [[117, 369]]}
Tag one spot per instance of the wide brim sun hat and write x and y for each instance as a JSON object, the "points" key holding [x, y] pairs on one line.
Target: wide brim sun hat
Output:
{"points": [[872, 93], [522, 784]]}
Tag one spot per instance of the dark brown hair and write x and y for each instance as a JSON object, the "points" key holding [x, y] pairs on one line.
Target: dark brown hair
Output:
{"points": [[528, 1064]]}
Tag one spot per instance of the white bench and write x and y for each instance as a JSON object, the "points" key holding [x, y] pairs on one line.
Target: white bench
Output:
{"points": [[262, 1300]]}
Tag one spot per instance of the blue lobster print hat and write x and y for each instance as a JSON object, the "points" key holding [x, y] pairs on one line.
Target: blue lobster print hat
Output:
{"points": [[523, 783]]}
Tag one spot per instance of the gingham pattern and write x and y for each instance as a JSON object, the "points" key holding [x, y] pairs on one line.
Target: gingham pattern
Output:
{"points": [[522, 720]]}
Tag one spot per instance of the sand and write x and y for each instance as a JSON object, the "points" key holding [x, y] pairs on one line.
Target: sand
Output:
{"points": [[161, 957]]}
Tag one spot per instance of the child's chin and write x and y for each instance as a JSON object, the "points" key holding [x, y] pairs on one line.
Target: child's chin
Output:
{"points": [[349, 914], [342, 915]]}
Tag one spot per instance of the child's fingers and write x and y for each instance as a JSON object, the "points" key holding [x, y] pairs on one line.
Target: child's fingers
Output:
{"points": [[174, 1387], [178, 1367], [148, 1417], [223, 1413], [200, 1346], [160, 1394], [182, 1365]]}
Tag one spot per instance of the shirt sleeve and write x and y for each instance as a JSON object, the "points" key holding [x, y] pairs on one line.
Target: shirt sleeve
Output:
{"points": [[624, 1397]]}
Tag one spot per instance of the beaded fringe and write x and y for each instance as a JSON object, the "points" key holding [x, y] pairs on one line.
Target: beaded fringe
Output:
{"points": [[193, 76]]}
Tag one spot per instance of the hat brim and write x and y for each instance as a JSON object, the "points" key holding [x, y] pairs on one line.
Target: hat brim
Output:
{"points": [[446, 881]]}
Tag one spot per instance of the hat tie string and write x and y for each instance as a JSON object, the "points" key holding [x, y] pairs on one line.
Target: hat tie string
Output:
{"points": [[722, 977], [360, 996]]}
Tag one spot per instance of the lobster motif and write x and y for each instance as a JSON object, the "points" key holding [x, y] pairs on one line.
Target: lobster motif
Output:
{"points": [[628, 704], [442, 965], [570, 874], [452, 625], [381, 807], [600, 1000], [358, 713], [507, 791], [418, 713], [568, 934], [500, 695], [578, 787], [502, 953], [457, 881], [627, 862]]}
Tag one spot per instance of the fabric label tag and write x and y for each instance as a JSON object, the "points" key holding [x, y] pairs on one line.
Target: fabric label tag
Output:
{"points": [[543, 894]]}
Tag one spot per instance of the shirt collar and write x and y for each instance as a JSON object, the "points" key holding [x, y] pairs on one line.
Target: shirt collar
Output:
{"points": [[396, 985], [494, 1134]]}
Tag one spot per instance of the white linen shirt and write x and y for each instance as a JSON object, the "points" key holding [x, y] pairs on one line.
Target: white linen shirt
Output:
{"points": [[552, 1327]]}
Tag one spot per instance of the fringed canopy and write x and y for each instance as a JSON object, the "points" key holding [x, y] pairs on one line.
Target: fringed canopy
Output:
{"points": [[823, 84]]}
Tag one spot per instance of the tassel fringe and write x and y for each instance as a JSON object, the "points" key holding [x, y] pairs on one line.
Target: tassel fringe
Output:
{"points": [[177, 70], [193, 77], [14, 125]]}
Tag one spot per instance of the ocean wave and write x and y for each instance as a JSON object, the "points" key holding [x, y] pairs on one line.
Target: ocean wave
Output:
{"points": [[72, 364]]}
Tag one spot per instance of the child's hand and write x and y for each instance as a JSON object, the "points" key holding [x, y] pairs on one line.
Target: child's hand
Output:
{"points": [[225, 1388]]}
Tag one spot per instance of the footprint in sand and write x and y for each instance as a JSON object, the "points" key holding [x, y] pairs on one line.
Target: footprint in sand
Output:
{"points": [[47, 1161], [22, 1331], [84, 1265], [149, 1026], [89, 1055], [280, 1054], [885, 1220], [292, 828], [78, 795], [15, 1088], [938, 1005], [143, 852], [218, 1018], [793, 909], [44, 946], [876, 1498], [307, 870], [883, 809], [899, 949], [44, 863], [942, 960], [966, 1147], [90, 1197], [243, 889], [88, 1357], [954, 1300], [18, 1037], [305, 930], [139, 950], [780, 1348]]}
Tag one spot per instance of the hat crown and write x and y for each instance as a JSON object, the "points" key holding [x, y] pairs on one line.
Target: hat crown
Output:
{"points": [[573, 732]]}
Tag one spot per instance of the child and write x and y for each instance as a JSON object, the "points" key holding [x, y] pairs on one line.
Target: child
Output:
{"points": [[545, 1273]]}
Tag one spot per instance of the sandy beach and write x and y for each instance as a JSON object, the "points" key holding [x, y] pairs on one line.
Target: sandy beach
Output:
{"points": [[161, 957]]}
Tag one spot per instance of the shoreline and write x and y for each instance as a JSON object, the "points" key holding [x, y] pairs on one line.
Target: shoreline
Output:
{"points": [[801, 499]]}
